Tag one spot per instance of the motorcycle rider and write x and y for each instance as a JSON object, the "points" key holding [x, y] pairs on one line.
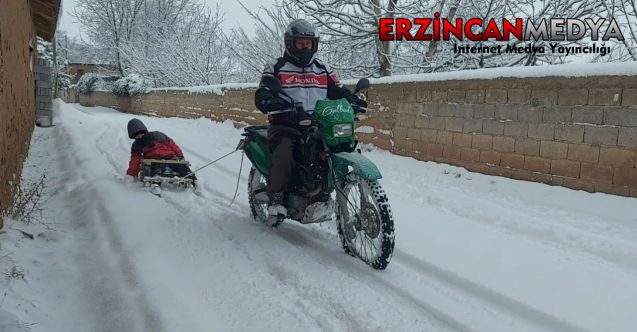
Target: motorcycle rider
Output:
{"points": [[306, 79]]}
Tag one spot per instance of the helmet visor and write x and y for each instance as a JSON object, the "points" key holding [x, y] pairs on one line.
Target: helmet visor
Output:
{"points": [[305, 44]]}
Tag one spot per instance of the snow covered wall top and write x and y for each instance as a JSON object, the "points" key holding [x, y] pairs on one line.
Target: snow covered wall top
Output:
{"points": [[216, 89], [565, 70]]}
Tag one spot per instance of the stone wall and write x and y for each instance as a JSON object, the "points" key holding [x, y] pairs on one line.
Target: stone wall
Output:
{"points": [[579, 133], [17, 93]]}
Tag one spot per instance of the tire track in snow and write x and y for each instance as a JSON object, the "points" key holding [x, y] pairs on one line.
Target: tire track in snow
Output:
{"points": [[483, 295], [100, 144], [110, 289], [547, 236], [356, 269], [241, 263], [486, 297], [328, 255], [570, 238], [522, 311]]}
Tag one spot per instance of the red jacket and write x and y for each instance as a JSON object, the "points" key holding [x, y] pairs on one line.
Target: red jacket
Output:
{"points": [[153, 145]]}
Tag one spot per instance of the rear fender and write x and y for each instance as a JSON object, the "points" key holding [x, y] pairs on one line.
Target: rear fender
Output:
{"points": [[259, 155]]}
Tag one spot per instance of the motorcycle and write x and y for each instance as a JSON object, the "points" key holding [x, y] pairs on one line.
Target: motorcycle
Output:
{"points": [[331, 179]]}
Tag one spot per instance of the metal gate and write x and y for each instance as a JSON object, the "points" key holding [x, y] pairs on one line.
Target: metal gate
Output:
{"points": [[43, 93]]}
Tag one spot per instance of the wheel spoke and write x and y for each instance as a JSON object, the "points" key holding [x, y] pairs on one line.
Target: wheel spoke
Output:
{"points": [[366, 224], [257, 180], [359, 198]]}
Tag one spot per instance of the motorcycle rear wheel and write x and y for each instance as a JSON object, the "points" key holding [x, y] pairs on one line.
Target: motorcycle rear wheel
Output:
{"points": [[259, 207]]}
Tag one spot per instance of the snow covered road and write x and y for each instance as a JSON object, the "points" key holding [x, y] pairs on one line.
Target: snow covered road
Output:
{"points": [[473, 252]]}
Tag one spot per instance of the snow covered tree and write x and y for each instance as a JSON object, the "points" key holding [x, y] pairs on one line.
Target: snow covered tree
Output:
{"points": [[254, 52], [350, 31], [625, 12], [110, 24], [57, 60], [167, 42], [179, 44]]}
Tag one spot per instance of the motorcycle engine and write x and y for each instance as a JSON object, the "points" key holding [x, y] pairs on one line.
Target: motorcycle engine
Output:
{"points": [[296, 206]]}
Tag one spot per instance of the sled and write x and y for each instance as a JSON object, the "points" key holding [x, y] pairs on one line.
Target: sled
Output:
{"points": [[162, 171]]}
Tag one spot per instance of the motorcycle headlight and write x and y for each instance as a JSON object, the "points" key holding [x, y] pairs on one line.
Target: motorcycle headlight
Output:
{"points": [[343, 130]]}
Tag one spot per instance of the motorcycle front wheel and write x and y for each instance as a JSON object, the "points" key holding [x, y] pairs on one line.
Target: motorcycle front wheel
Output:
{"points": [[365, 222]]}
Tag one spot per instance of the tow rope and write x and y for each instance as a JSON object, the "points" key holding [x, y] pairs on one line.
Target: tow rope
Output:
{"points": [[208, 164], [236, 190]]}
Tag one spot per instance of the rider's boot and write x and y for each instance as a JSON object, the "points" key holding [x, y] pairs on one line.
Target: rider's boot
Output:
{"points": [[276, 210]]}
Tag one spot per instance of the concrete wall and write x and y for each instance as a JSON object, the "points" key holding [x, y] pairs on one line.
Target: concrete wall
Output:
{"points": [[17, 93], [576, 132]]}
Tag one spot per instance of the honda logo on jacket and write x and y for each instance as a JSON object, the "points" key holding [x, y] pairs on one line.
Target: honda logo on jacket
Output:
{"points": [[304, 84]]}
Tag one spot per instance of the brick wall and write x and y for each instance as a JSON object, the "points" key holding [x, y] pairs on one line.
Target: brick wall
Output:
{"points": [[17, 94], [576, 132]]}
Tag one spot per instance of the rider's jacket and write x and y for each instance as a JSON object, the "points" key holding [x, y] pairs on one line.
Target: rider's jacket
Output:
{"points": [[307, 84]]}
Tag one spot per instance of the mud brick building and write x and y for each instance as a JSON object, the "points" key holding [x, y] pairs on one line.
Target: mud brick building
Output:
{"points": [[20, 23]]}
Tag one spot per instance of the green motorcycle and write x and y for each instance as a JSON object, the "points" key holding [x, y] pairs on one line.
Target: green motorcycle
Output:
{"points": [[330, 181]]}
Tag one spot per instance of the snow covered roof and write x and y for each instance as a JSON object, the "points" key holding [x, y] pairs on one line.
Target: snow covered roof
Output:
{"points": [[45, 17]]}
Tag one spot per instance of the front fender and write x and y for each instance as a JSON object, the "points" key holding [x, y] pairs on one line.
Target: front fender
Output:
{"points": [[362, 166]]}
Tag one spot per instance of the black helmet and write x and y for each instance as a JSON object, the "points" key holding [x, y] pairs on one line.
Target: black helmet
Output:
{"points": [[301, 29], [135, 127]]}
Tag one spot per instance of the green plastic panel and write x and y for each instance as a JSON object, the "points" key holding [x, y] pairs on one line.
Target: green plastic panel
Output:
{"points": [[361, 165], [331, 112], [260, 156]]}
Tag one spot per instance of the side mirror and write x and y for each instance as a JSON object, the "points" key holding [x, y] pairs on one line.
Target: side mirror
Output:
{"points": [[362, 85], [272, 83]]}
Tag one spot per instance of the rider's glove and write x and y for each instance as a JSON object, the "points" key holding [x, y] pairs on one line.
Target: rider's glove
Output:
{"points": [[280, 119], [361, 103], [291, 118], [276, 104]]}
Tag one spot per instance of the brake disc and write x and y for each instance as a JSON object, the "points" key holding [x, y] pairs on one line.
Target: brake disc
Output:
{"points": [[370, 222]]}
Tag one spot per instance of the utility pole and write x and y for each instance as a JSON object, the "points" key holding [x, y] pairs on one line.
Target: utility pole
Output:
{"points": [[67, 63], [55, 66]]}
